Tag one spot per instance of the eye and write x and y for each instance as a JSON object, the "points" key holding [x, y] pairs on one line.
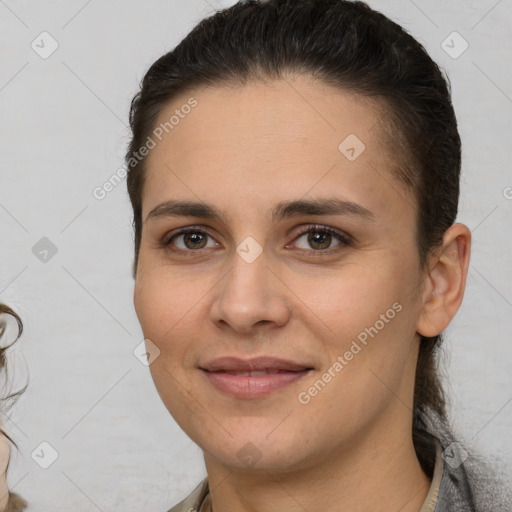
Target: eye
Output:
{"points": [[321, 237], [192, 239]]}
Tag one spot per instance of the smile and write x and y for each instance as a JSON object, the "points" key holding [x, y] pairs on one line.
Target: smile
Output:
{"points": [[253, 378]]}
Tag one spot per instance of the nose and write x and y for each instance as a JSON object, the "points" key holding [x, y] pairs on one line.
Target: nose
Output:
{"points": [[250, 297]]}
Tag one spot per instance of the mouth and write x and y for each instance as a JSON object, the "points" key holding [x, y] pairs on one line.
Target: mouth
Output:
{"points": [[253, 378]]}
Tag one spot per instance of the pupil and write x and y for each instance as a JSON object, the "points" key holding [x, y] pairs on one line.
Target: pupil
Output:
{"points": [[194, 238], [313, 238]]}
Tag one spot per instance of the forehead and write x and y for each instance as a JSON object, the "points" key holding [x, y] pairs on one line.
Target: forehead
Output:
{"points": [[296, 108], [265, 141]]}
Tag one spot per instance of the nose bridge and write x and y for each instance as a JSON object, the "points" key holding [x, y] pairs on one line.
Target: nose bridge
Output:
{"points": [[250, 292]]}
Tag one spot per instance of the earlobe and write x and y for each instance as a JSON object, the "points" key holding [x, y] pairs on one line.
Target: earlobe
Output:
{"points": [[445, 282]]}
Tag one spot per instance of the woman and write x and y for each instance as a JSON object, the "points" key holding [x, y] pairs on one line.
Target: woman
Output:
{"points": [[9, 501], [294, 177]]}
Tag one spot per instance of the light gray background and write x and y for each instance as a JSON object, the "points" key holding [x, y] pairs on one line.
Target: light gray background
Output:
{"points": [[63, 132]]}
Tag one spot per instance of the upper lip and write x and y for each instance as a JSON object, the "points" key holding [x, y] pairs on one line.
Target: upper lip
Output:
{"points": [[254, 364]]}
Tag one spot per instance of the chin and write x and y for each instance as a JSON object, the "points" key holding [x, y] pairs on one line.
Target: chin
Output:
{"points": [[256, 447]]}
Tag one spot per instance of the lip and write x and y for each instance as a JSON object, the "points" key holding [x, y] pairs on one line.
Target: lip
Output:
{"points": [[278, 373]]}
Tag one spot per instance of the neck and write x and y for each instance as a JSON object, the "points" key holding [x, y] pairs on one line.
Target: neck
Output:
{"points": [[384, 476]]}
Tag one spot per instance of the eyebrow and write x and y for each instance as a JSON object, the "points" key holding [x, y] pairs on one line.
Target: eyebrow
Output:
{"points": [[284, 209]]}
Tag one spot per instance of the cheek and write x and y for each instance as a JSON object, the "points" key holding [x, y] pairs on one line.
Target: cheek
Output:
{"points": [[369, 318], [168, 305], [353, 297], [159, 301], [166, 314]]}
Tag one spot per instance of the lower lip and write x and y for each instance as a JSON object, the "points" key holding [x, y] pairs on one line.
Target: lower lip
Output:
{"points": [[252, 387]]}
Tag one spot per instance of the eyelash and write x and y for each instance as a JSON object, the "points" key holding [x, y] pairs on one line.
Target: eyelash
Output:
{"points": [[343, 238]]}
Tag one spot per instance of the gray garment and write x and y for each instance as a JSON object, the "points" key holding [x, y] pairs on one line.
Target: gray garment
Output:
{"points": [[468, 483]]}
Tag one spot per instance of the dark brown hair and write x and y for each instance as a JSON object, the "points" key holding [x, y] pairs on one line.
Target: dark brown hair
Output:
{"points": [[354, 48]]}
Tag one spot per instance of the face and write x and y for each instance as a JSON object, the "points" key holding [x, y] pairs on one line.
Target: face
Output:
{"points": [[310, 262]]}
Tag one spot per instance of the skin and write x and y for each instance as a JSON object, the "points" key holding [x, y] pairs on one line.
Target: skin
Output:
{"points": [[4, 458], [244, 149]]}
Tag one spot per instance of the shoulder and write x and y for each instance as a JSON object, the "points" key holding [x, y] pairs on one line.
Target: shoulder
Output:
{"points": [[463, 480], [471, 482]]}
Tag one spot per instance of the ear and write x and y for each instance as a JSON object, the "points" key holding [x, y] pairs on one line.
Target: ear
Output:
{"points": [[445, 283]]}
